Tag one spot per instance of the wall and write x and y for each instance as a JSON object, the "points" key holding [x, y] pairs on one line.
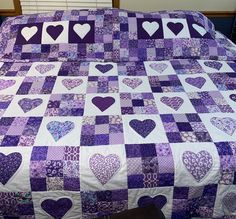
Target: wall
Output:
{"points": [[6, 4], [199, 5]]}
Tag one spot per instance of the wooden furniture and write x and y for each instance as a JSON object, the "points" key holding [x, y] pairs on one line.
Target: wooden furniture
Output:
{"points": [[12, 12], [233, 35]]}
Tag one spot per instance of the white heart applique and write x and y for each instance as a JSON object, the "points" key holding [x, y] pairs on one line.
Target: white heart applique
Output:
{"points": [[150, 27], [29, 32], [199, 29], [82, 29]]}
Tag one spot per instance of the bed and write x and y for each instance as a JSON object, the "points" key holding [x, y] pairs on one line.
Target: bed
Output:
{"points": [[107, 110]]}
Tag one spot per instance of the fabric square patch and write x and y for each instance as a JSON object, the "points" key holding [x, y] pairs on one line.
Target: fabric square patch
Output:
{"points": [[16, 204], [74, 69], [60, 131], [209, 102], [55, 169], [159, 68], [65, 105], [210, 66], [143, 129], [131, 69], [138, 103], [102, 84], [37, 85], [102, 203], [185, 128], [149, 165], [224, 82], [187, 66], [102, 130], [103, 69], [194, 201], [227, 153], [5, 101], [14, 69], [165, 83], [19, 131], [103, 168]]}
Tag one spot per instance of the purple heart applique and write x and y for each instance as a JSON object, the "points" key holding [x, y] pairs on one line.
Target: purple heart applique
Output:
{"points": [[6, 83], [226, 124], [173, 102], [133, 82], [55, 31], [197, 164], [104, 67], [27, 104], [104, 167], [229, 201], [72, 83], [44, 68], [196, 82], [159, 201], [233, 97], [60, 129], [9, 164], [159, 67], [57, 209], [213, 64], [143, 128], [103, 103], [175, 27]]}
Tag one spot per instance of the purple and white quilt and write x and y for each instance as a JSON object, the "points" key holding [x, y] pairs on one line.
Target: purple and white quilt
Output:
{"points": [[106, 110]]}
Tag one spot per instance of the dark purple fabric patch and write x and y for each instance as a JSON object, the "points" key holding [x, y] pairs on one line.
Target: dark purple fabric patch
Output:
{"points": [[54, 31]]}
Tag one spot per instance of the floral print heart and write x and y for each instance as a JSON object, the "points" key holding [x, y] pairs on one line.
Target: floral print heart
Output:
{"points": [[196, 82], [229, 201], [159, 67], [57, 209], [173, 102], [9, 164], [213, 64], [4, 84], [159, 201], [233, 97], [197, 164], [44, 68], [104, 167], [226, 124], [132, 82], [72, 83], [104, 67], [143, 128], [28, 104], [103, 103], [60, 129]]}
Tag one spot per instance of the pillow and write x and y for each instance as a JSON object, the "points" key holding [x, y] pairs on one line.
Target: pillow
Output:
{"points": [[59, 36], [164, 35]]}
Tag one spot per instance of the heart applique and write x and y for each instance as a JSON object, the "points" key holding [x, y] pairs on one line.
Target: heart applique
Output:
{"points": [[196, 82], [9, 164], [159, 67], [60, 129], [57, 209], [72, 83], [233, 97], [176, 28], [159, 201], [54, 31], [104, 68], [201, 30], [213, 64], [103, 103], [143, 128], [4, 84], [229, 201], [226, 124], [104, 167], [27, 104], [44, 68], [132, 82], [173, 102], [150, 27], [29, 32], [82, 29], [198, 164]]}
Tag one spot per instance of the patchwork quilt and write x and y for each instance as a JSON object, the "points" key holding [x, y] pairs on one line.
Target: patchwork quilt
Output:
{"points": [[88, 133]]}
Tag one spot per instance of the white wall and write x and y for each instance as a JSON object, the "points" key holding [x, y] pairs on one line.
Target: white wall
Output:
{"points": [[6, 4], [199, 5]]}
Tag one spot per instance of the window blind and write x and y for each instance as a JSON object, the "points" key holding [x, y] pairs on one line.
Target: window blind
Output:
{"points": [[40, 6]]}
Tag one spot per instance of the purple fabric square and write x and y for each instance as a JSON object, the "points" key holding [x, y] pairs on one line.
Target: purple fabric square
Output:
{"points": [[180, 193], [174, 137], [148, 150], [224, 148], [101, 139], [133, 150], [104, 196], [210, 190], [166, 179], [39, 153], [38, 184], [71, 184], [135, 181], [10, 140], [184, 126], [102, 120]]}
